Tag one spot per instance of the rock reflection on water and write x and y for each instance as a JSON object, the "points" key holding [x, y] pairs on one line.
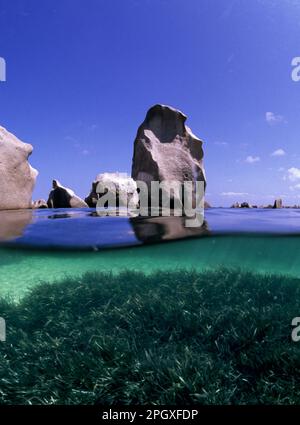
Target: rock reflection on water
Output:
{"points": [[13, 223], [83, 228], [55, 216], [86, 230], [158, 229]]}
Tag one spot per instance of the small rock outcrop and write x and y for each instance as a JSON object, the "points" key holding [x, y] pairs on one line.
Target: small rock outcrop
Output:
{"points": [[17, 177], [245, 205], [165, 149], [242, 205], [40, 203], [120, 184], [63, 197], [278, 203]]}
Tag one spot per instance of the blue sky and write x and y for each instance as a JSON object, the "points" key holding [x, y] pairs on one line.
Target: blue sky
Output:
{"points": [[81, 75]]}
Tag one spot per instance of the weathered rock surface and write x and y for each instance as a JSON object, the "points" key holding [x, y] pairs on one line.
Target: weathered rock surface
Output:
{"points": [[119, 184], [17, 177], [165, 149], [63, 197]]}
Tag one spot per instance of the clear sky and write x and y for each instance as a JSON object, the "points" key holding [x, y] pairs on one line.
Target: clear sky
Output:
{"points": [[81, 75]]}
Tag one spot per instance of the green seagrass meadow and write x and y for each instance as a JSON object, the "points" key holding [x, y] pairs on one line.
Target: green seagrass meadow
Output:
{"points": [[184, 337]]}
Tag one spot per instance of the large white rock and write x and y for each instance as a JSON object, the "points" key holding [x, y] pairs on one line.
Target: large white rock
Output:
{"points": [[119, 184], [17, 177], [165, 149]]}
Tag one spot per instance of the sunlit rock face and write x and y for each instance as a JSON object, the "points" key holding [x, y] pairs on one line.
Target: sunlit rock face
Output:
{"points": [[63, 197], [122, 186], [165, 149], [17, 177]]}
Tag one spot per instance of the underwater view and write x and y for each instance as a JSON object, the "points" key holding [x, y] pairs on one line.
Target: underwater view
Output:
{"points": [[153, 317]]}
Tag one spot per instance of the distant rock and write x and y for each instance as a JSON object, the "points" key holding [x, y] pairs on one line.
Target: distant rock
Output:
{"points": [[17, 177], [245, 205], [242, 205], [207, 205], [63, 197], [40, 203], [120, 184], [278, 203], [165, 149]]}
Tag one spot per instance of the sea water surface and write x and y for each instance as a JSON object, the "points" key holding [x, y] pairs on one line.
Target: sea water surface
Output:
{"points": [[47, 245]]}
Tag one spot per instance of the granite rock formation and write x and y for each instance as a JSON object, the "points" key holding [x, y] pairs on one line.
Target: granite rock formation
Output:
{"points": [[165, 149], [63, 197], [119, 184], [17, 177]]}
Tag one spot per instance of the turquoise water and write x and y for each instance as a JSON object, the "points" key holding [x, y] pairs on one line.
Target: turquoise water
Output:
{"points": [[259, 240]]}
